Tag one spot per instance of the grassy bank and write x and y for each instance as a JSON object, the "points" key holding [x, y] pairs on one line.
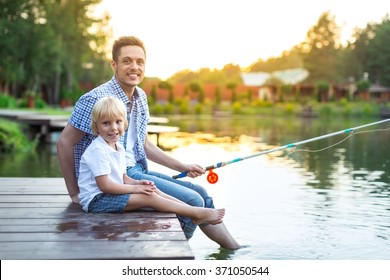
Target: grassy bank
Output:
{"points": [[341, 108], [12, 137]]}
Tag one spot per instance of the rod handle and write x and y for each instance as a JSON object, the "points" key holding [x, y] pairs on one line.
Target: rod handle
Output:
{"points": [[181, 175]]}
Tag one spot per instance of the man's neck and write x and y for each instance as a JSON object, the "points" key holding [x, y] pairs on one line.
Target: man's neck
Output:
{"points": [[129, 92]]}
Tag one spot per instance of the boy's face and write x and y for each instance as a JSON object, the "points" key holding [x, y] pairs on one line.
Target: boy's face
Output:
{"points": [[130, 67], [111, 129]]}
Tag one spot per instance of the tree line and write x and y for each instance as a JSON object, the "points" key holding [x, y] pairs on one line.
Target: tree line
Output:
{"points": [[53, 48]]}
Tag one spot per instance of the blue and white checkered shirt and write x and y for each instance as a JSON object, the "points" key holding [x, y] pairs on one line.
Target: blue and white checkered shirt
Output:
{"points": [[81, 118]]}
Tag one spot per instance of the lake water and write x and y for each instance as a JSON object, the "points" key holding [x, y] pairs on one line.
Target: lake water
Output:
{"points": [[332, 204]]}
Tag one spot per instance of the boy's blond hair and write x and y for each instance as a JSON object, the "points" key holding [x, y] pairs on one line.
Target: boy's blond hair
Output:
{"points": [[108, 107]]}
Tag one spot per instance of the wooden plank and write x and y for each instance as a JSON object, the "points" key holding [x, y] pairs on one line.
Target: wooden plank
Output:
{"points": [[38, 221], [14, 114], [95, 250], [91, 227], [155, 129], [32, 183], [73, 236], [158, 120], [29, 204], [42, 119], [36, 118], [90, 217], [29, 199], [69, 212]]}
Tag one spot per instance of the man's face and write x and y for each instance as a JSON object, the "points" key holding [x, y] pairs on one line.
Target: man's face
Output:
{"points": [[130, 67]]}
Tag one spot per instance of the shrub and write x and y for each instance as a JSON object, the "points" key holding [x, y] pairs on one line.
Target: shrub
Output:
{"points": [[183, 107], [237, 108], [168, 108], [7, 101], [368, 110], [12, 137], [198, 109], [40, 103], [325, 110], [347, 110], [289, 108], [158, 109]]}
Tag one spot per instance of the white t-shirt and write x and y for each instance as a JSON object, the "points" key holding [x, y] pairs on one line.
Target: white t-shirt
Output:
{"points": [[130, 142], [99, 159]]}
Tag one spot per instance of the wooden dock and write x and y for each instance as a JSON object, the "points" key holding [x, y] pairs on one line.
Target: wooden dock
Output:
{"points": [[38, 221], [41, 125]]}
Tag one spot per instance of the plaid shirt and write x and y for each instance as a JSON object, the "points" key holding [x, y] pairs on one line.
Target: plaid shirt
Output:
{"points": [[81, 118]]}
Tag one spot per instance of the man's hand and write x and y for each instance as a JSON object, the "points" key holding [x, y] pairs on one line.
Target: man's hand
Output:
{"points": [[75, 199], [194, 170]]}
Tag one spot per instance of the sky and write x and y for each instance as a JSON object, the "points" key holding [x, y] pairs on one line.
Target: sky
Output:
{"points": [[194, 34]]}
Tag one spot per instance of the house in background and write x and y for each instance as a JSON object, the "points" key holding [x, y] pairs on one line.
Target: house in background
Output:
{"points": [[379, 93], [263, 80]]}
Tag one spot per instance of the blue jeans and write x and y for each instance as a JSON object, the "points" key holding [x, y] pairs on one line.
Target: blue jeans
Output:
{"points": [[187, 192]]}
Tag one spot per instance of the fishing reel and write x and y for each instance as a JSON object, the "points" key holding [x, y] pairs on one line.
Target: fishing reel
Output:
{"points": [[212, 177]]}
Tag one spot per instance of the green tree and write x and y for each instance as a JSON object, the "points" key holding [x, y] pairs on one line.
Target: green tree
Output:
{"points": [[353, 58], [378, 54], [232, 87], [197, 88], [229, 73], [319, 51], [288, 60], [18, 20], [167, 86], [76, 41], [47, 42], [218, 97]]}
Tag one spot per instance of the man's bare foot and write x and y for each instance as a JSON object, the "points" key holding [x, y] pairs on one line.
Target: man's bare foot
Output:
{"points": [[209, 216]]}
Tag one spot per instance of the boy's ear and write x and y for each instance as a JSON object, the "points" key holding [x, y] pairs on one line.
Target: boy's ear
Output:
{"points": [[96, 129]]}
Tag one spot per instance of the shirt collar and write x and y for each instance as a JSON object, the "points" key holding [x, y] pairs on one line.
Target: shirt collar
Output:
{"points": [[121, 94], [108, 148]]}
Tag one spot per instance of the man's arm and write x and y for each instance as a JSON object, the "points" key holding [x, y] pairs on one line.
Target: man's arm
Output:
{"points": [[68, 138], [156, 155]]}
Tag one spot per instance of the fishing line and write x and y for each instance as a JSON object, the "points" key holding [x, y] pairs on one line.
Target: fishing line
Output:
{"points": [[212, 177], [336, 144]]}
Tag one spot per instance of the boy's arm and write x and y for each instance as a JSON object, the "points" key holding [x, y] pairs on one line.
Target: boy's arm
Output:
{"points": [[131, 181], [128, 180], [106, 185]]}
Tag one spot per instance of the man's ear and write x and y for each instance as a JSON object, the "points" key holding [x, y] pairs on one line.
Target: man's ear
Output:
{"points": [[113, 65]]}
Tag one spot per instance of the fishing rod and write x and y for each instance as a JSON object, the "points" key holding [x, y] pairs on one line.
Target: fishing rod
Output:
{"points": [[212, 177]]}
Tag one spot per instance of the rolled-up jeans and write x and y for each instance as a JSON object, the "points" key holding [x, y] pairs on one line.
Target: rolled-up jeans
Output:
{"points": [[185, 191]]}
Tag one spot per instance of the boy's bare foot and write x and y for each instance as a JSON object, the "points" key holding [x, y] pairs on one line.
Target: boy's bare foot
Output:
{"points": [[210, 216]]}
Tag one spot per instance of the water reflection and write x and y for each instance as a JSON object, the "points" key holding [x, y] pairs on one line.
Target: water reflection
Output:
{"points": [[331, 204]]}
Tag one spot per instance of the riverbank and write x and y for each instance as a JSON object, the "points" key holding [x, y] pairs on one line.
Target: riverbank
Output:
{"points": [[342, 108]]}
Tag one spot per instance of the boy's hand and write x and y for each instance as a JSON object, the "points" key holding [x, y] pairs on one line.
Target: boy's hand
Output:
{"points": [[145, 189], [146, 182]]}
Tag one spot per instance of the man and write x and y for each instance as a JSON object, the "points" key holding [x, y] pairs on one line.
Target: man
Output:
{"points": [[128, 64]]}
